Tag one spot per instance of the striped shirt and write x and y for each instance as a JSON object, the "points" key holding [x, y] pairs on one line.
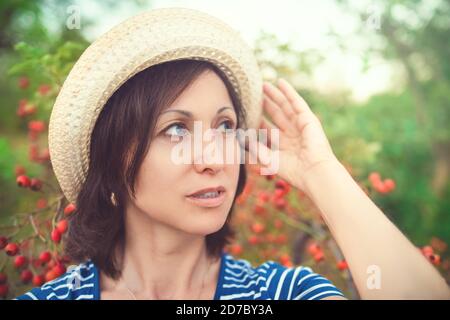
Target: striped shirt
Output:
{"points": [[238, 280]]}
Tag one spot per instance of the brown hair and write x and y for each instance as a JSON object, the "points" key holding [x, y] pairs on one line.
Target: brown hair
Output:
{"points": [[119, 143]]}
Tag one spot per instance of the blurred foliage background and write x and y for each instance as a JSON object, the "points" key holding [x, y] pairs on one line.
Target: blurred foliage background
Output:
{"points": [[402, 133]]}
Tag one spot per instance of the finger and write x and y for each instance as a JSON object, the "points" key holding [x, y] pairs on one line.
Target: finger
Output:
{"points": [[280, 99], [298, 103], [267, 125], [259, 153], [277, 115], [304, 119]]}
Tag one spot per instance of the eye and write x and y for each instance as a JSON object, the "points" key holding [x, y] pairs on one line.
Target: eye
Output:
{"points": [[229, 125], [176, 132]]}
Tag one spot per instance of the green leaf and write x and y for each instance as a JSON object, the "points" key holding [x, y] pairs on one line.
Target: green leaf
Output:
{"points": [[22, 67]]}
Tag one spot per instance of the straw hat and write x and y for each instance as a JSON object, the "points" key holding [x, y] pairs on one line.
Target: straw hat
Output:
{"points": [[150, 38]]}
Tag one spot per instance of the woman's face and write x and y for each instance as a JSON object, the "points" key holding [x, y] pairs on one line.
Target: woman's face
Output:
{"points": [[163, 185]]}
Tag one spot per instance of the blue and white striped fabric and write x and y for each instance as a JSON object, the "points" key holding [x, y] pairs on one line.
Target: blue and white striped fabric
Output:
{"points": [[238, 280], [79, 283]]}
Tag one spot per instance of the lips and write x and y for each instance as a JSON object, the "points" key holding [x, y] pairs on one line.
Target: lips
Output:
{"points": [[203, 197], [219, 189]]}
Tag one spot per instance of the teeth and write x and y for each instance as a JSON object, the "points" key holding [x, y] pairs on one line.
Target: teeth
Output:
{"points": [[207, 195]]}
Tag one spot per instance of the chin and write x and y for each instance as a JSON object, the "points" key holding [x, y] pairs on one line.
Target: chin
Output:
{"points": [[204, 226]]}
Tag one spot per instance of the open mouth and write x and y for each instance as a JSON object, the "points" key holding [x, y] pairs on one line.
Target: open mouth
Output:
{"points": [[211, 197], [208, 195]]}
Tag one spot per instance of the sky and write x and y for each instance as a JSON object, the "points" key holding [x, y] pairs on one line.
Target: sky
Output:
{"points": [[303, 23]]}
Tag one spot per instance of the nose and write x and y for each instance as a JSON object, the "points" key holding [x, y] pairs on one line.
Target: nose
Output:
{"points": [[208, 152]]}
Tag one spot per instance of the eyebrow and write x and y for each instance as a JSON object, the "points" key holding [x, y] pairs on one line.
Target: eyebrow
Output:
{"points": [[190, 115]]}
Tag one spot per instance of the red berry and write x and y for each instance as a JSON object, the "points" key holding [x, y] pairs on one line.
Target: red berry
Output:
{"points": [[25, 108], [435, 259], [24, 82], [374, 177], [26, 276], [318, 256], [56, 236], [313, 248], [61, 226], [50, 275], [259, 210], [288, 264], [253, 240], [44, 89], [45, 256], [236, 249], [36, 125], [3, 242], [284, 258], [29, 109], [21, 112], [342, 265], [69, 209], [23, 181], [20, 261], [263, 196], [380, 187], [278, 193], [4, 290], [280, 203], [12, 249], [282, 185], [389, 184], [257, 227], [35, 184], [59, 269], [38, 280], [427, 250], [3, 278]]}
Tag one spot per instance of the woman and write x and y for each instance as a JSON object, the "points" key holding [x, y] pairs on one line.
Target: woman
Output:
{"points": [[147, 228]]}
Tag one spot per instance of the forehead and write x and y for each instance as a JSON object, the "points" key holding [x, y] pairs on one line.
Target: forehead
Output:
{"points": [[207, 93]]}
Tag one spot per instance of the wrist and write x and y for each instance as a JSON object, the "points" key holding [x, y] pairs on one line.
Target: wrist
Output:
{"points": [[319, 173]]}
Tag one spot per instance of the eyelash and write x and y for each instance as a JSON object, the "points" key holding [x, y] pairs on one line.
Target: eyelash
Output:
{"points": [[181, 124]]}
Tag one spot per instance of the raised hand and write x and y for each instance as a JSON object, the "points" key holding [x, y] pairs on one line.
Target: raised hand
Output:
{"points": [[302, 140]]}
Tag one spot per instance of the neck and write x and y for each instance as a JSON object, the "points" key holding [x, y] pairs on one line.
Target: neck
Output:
{"points": [[159, 262]]}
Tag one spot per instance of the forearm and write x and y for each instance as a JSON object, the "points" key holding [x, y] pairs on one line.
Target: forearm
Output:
{"points": [[368, 238]]}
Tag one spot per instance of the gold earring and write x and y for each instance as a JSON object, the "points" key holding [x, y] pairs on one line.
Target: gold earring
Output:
{"points": [[113, 199]]}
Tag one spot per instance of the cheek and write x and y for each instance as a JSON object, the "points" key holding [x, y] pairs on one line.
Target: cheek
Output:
{"points": [[158, 175]]}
